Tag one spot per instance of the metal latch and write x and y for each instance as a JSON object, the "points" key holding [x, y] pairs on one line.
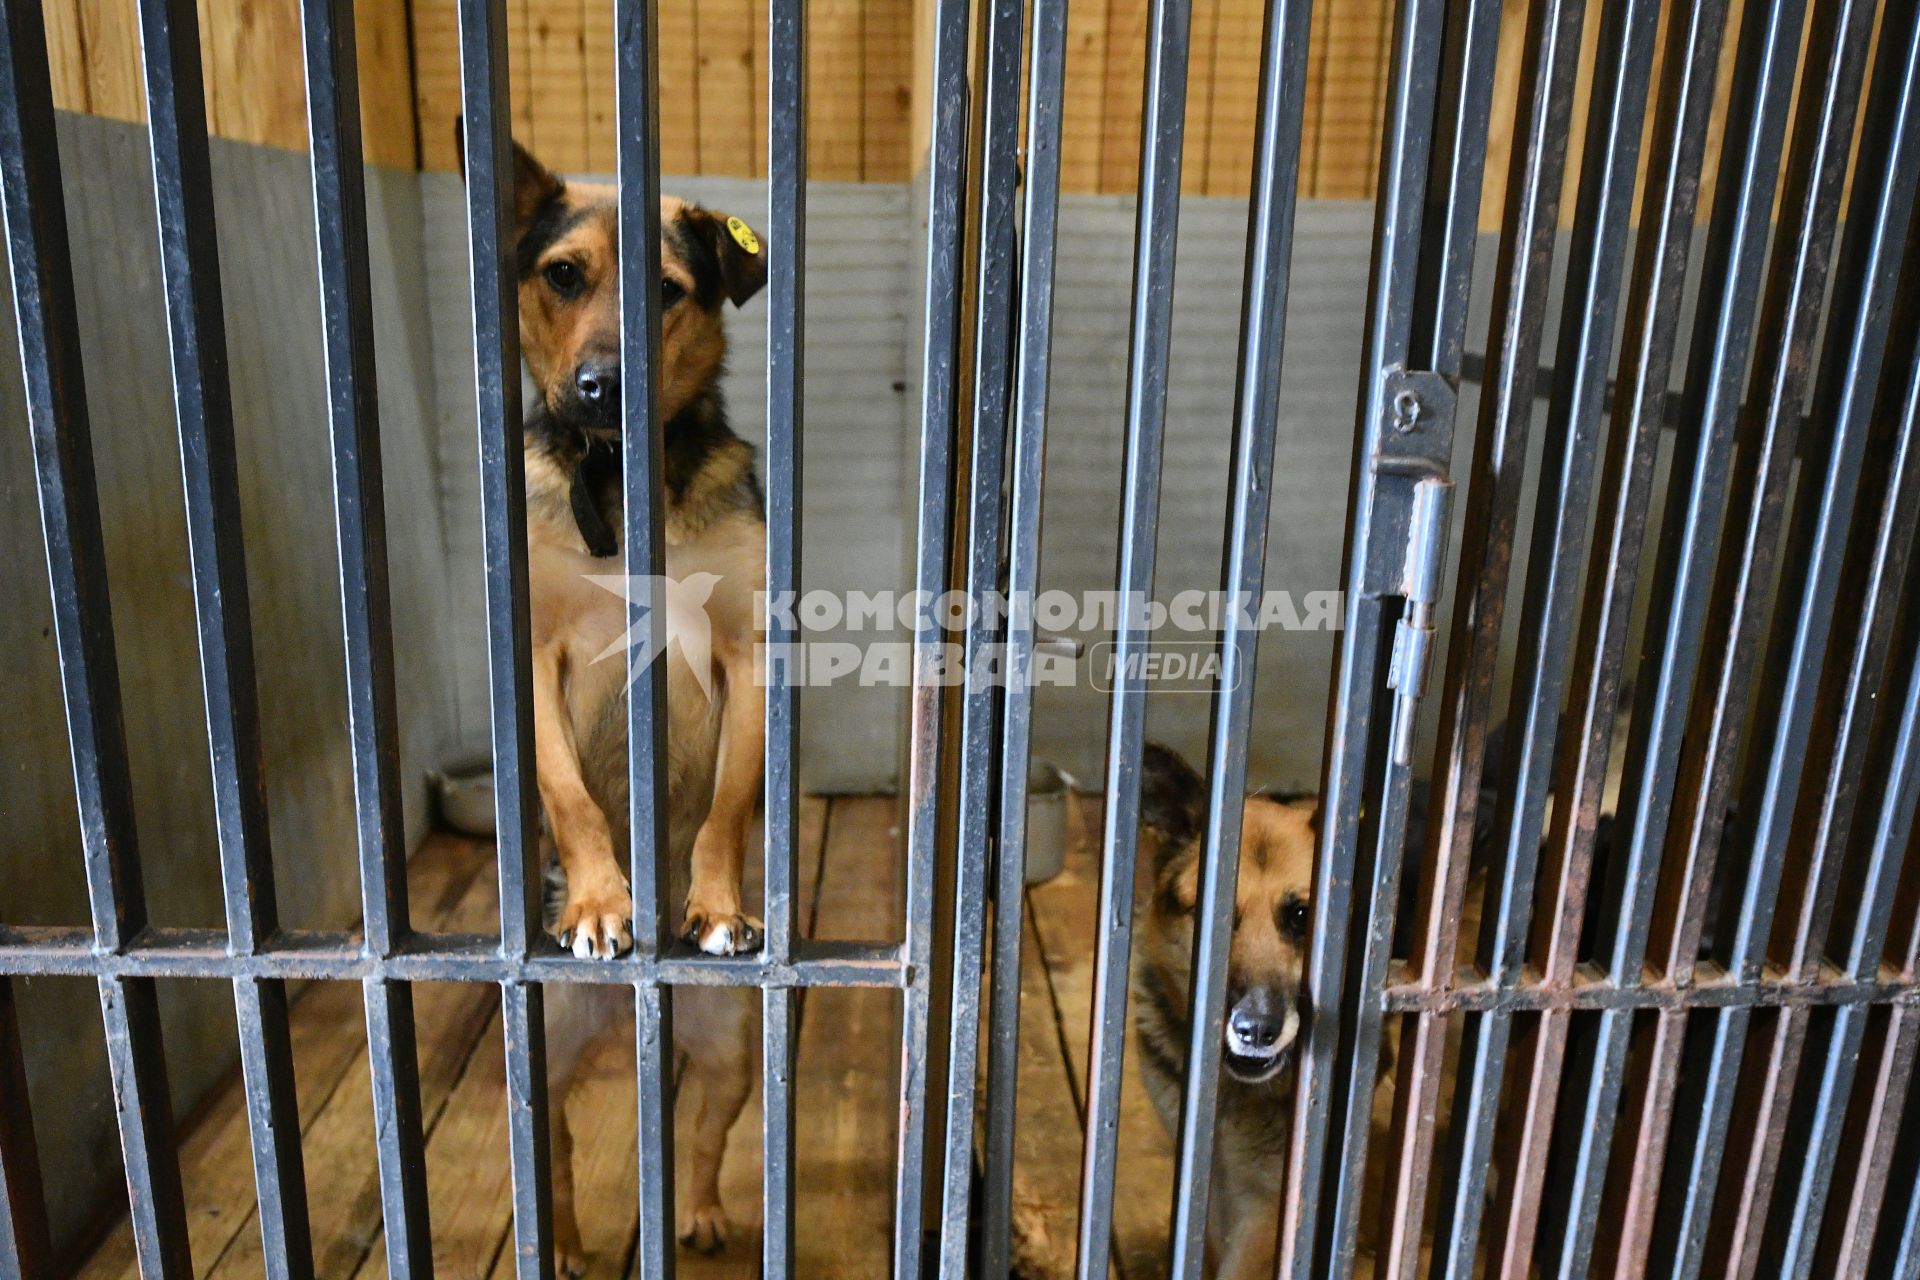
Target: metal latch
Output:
{"points": [[1412, 497], [1412, 665]]}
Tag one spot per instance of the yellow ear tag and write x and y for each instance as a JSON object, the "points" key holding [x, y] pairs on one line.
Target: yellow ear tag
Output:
{"points": [[743, 235]]}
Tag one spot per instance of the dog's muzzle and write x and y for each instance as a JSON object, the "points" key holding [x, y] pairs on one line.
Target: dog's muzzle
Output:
{"points": [[594, 398], [1262, 1027]]}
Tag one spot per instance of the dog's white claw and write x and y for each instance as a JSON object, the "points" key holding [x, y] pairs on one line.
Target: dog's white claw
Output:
{"points": [[582, 946], [718, 942]]}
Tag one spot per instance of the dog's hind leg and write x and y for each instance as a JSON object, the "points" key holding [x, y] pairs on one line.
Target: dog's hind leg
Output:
{"points": [[716, 1030], [569, 1254], [577, 1016]]}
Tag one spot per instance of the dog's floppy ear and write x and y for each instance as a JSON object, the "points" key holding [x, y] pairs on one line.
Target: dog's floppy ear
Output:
{"points": [[743, 257], [1172, 797], [534, 185]]}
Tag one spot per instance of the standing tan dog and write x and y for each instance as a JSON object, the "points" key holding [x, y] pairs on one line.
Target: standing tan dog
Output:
{"points": [[567, 257]]}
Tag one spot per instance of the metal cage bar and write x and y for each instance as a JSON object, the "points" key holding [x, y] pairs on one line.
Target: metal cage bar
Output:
{"points": [[940, 343], [1734, 256], [1394, 472], [1790, 314], [1828, 796], [41, 269], [333, 127], [203, 408], [1156, 221], [1275, 181], [996, 157], [1888, 1051], [1681, 119], [492, 233], [786, 282], [1447, 257], [1876, 568], [1596, 264], [643, 541], [1047, 44], [1486, 548]]}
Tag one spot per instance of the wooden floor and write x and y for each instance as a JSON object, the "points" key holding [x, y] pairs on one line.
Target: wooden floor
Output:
{"points": [[847, 1080]]}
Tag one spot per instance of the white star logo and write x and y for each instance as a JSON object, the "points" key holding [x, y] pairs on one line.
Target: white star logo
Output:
{"points": [[687, 626]]}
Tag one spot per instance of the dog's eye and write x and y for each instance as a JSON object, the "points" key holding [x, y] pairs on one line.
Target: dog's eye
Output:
{"points": [[670, 292], [1293, 917], [563, 276]]}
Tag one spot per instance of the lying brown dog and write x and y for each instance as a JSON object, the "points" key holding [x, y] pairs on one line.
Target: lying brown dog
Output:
{"points": [[567, 255]]}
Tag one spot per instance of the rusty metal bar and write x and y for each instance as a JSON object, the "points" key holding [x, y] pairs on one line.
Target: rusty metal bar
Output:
{"points": [[1466, 98], [1813, 186], [1759, 106], [1596, 263], [1486, 552], [1681, 115], [1395, 471], [1890, 1047], [1870, 574]]}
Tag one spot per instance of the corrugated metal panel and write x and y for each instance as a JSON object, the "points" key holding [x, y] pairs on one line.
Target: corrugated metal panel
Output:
{"points": [[272, 303], [1079, 547]]}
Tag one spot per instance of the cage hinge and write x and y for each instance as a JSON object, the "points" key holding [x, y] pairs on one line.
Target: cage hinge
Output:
{"points": [[1408, 543]]}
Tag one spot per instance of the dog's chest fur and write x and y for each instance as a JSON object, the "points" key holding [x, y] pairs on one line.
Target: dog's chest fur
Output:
{"points": [[714, 526]]}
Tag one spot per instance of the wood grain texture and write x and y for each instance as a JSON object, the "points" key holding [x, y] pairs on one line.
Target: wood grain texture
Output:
{"points": [[448, 880], [866, 63], [1203, 46], [1122, 95], [887, 69], [1235, 100], [836, 98], [557, 84], [1083, 101], [847, 1078], [1352, 91]]}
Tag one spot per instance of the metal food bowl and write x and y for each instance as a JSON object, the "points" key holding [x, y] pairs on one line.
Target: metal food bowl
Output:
{"points": [[464, 792]]}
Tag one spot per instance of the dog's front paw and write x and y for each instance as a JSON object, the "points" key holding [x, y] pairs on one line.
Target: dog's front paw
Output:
{"points": [[597, 918], [704, 1228], [721, 930]]}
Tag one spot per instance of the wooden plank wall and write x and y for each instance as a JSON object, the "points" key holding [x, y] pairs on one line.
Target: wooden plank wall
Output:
{"points": [[713, 85], [862, 106], [250, 51]]}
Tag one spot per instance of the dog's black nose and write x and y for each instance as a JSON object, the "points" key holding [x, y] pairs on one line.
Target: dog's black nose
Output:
{"points": [[598, 384], [1256, 1028]]}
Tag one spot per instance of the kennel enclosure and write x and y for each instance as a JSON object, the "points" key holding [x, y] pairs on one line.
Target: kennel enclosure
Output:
{"points": [[1683, 1038]]}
